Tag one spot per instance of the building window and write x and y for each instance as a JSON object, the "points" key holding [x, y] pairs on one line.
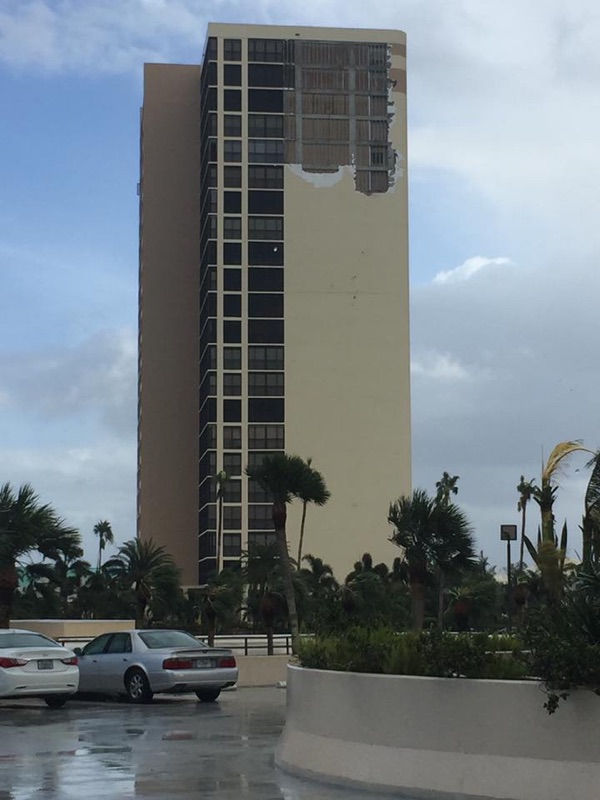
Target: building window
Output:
{"points": [[256, 494], [261, 539], [213, 126], [232, 280], [232, 227], [379, 156], [211, 100], [211, 175], [232, 358], [266, 126], [211, 201], [232, 518], [232, 75], [233, 125], [265, 177], [232, 437], [270, 228], [232, 202], [208, 463], [208, 387], [211, 226], [232, 412], [207, 493], [232, 100], [260, 202], [232, 491], [232, 150], [207, 544], [266, 437], [265, 151], [265, 305], [232, 545], [208, 438], [232, 463], [265, 75], [263, 358], [209, 359], [266, 384], [232, 176], [232, 384], [232, 253], [264, 331], [211, 49], [260, 517], [232, 305], [264, 254], [232, 49], [265, 50], [208, 412], [262, 279], [265, 100], [232, 332], [266, 409]]}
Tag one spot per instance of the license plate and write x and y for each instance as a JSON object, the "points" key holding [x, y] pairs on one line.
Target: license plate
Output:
{"points": [[45, 663], [203, 663]]}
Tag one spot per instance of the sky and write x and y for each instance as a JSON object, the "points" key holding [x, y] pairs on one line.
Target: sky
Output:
{"points": [[504, 182]]}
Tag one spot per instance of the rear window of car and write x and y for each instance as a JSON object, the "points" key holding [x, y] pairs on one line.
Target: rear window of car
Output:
{"points": [[156, 640], [8, 640]]}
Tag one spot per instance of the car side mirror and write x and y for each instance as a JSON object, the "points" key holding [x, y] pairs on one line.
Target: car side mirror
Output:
{"points": [[78, 651]]}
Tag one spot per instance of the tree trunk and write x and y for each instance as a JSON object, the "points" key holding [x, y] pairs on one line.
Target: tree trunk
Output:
{"points": [[212, 626], [219, 530], [279, 521], [522, 548], [302, 524], [440, 610], [9, 581], [417, 595]]}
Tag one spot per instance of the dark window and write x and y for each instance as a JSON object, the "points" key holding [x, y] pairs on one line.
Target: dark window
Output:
{"points": [[232, 462], [265, 384], [207, 492], [212, 150], [208, 412], [207, 545], [232, 305], [232, 202], [209, 307], [208, 566], [265, 50], [266, 126], [232, 176], [211, 201], [266, 409], [264, 100], [232, 437], [208, 463], [260, 517], [232, 150], [265, 202], [265, 254], [211, 49], [232, 518], [379, 156], [265, 151], [257, 459], [232, 332], [265, 305], [208, 387], [232, 49], [232, 412], [208, 517], [256, 494], [209, 282], [232, 253], [265, 331], [266, 437], [210, 70], [232, 358], [263, 358], [270, 228], [232, 280], [213, 126], [209, 334], [211, 175], [265, 177], [265, 280], [232, 75], [232, 491], [211, 226], [211, 253], [120, 643], [232, 384], [208, 438], [265, 75], [232, 545], [232, 227], [94, 647], [211, 100], [233, 125], [260, 539], [209, 359], [232, 100]]}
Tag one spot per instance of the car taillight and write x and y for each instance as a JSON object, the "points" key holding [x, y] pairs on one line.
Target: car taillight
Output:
{"points": [[70, 662], [7, 663], [177, 663], [227, 661]]}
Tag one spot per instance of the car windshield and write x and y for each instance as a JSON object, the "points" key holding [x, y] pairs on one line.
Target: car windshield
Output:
{"points": [[10, 640], [156, 640]]}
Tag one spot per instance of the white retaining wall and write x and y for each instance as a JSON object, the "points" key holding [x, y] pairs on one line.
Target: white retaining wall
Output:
{"points": [[436, 737]]}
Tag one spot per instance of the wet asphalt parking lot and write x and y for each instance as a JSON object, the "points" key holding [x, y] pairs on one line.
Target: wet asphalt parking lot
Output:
{"points": [[174, 748]]}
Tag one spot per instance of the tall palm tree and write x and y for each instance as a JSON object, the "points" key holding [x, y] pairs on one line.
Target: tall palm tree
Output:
{"points": [[430, 535], [139, 565], [262, 573], [26, 526], [545, 494], [66, 576], [105, 536], [305, 502], [288, 477], [526, 490], [445, 487]]}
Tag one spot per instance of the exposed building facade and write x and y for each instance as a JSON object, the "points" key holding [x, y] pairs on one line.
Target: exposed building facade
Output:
{"points": [[274, 289]]}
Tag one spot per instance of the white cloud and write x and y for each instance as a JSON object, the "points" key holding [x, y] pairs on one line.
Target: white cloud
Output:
{"points": [[469, 268], [439, 367]]}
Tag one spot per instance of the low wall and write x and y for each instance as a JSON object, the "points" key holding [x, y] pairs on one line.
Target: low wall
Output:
{"points": [[261, 670], [440, 738], [66, 628]]}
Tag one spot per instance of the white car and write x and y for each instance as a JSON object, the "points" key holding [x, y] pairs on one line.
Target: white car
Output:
{"points": [[32, 665]]}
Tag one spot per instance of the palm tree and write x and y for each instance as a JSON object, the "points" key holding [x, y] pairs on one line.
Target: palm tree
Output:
{"points": [[27, 526], [139, 565], [305, 502], [287, 477], [590, 526], [220, 479], [66, 576], [263, 575], [430, 535], [445, 487], [526, 490], [105, 536], [219, 601]]}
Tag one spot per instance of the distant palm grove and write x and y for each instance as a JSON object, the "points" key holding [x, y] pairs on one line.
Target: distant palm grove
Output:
{"points": [[436, 582]]}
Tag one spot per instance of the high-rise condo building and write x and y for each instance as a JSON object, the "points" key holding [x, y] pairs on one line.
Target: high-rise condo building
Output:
{"points": [[274, 289]]}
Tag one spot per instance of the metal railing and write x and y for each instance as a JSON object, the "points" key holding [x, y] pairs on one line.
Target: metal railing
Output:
{"points": [[246, 645]]}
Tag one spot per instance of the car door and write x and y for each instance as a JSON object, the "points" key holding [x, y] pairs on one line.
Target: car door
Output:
{"points": [[90, 665], [115, 661]]}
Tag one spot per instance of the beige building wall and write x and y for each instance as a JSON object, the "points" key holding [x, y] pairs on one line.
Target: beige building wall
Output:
{"points": [[168, 325]]}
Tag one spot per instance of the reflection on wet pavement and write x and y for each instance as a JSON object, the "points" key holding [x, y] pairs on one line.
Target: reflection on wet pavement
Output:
{"points": [[173, 748]]}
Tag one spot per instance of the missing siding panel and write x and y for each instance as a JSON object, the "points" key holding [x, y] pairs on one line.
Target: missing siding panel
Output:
{"points": [[398, 78]]}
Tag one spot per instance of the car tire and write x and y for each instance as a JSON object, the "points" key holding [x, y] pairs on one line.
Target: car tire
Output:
{"points": [[207, 695], [56, 700], [137, 686]]}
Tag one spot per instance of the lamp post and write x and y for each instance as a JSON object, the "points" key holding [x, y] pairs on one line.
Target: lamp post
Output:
{"points": [[508, 534]]}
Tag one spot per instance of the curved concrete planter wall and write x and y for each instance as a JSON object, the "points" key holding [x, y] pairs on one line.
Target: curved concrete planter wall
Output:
{"points": [[436, 737]]}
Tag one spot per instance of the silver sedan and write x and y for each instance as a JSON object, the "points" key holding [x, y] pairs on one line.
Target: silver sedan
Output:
{"points": [[141, 663]]}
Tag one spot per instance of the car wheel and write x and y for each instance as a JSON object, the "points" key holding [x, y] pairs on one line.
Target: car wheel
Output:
{"points": [[137, 686], [55, 700], [208, 695]]}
